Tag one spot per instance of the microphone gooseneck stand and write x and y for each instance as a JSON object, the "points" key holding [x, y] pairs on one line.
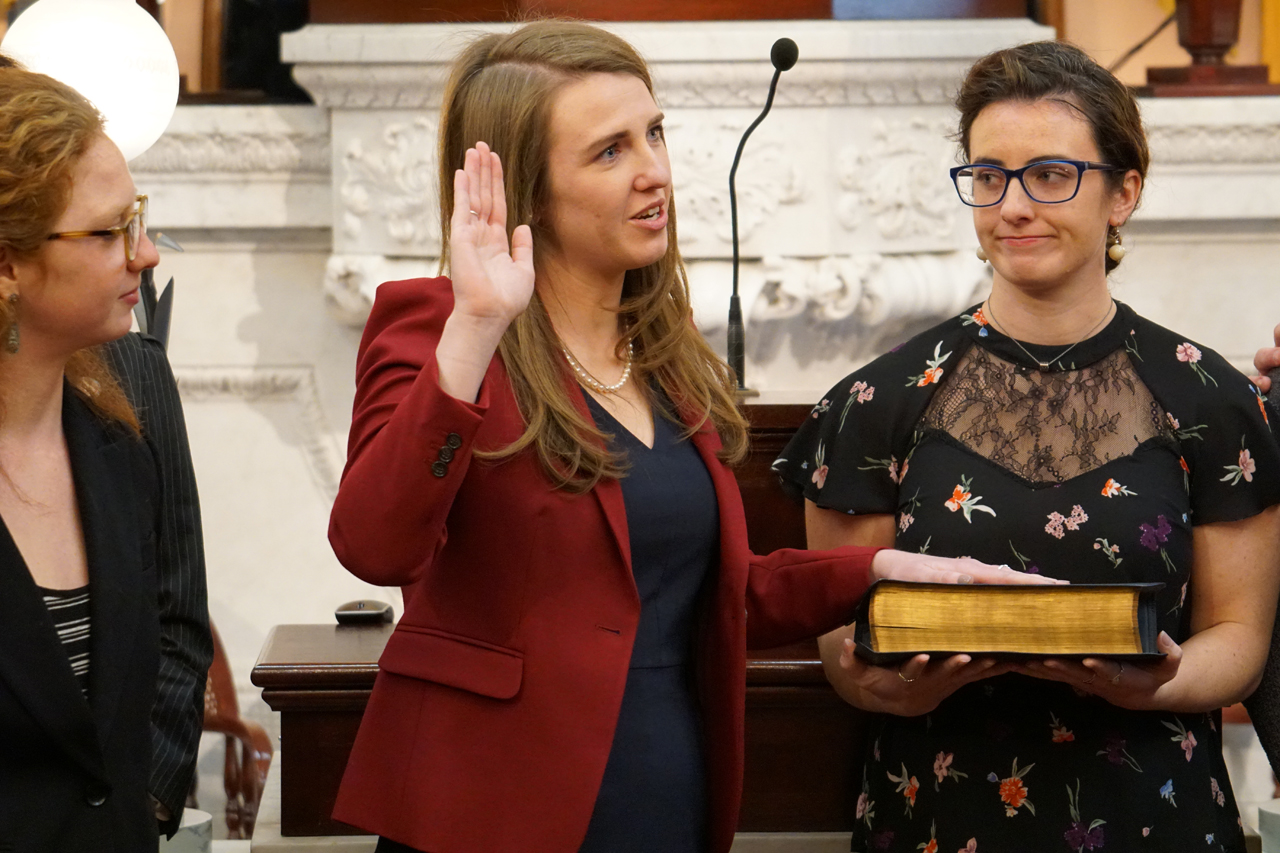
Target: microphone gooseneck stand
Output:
{"points": [[783, 55]]}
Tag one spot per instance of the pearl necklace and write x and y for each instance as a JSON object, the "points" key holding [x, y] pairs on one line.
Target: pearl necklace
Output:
{"points": [[1044, 365], [593, 383]]}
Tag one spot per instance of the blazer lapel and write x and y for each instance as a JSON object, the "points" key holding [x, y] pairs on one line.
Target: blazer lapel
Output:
{"points": [[34, 665], [608, 492], [109, 516]]}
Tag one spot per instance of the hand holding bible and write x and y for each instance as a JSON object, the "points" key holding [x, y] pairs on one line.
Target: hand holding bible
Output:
{"points": [[914, 688], [1128, 685]]}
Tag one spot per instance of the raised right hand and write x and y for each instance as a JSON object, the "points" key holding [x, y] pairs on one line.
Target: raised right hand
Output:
{"points": [[491, 282]]}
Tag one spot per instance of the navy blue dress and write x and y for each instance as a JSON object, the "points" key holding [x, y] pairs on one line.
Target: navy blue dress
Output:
{"points": [[653, 796], [654, 793]]}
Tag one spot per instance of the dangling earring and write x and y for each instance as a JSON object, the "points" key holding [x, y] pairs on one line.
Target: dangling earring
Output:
{"points": [[1115, 247], [982, 256], [11, 342]]}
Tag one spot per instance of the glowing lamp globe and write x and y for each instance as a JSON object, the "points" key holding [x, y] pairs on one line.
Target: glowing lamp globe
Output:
{"points": [[112, 52]]}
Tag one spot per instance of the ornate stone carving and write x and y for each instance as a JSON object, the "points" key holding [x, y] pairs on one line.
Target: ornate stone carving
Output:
{"points": [[894, 180], [701, 153], [811, 84], [236, 153], [847, 309], [1201, 144], [346, 285], [295, 385], [393, 183], [406, 86], [683, 84]]}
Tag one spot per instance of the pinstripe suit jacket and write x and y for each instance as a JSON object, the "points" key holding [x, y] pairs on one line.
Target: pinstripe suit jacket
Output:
{"points": [[74, 774], [186, 647]]}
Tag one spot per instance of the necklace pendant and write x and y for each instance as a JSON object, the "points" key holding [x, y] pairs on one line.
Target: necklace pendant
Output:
{"points": [[1044, 365]]}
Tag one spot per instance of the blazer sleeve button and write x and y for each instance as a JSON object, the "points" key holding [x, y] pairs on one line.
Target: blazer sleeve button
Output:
{"points": [[439, 469], [453, 440], [446, 454], [96, 794]]}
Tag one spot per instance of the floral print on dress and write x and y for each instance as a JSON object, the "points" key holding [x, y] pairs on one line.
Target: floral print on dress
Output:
{"points": [[1182, 737], [1057, 521], [820, 470], [1060, 733], [1013, 791], [908, 786], [1244, 467], [977, 318], [942, 769], [963, 499], [1155, 536], [1116, 753], [1188, 353], [1111, 488], [933, 370], [930, 846], [1215, 793], [890, 465], [820, 409], [971, 847], [1185, 433], [1166, 791], [1112, 552], [1025, 561], [861, 392], [907, 516], [1262, 403], [1079, 835]]}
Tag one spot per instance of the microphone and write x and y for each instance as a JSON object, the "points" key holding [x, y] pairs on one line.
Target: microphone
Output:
{"points": [[783, 55]]}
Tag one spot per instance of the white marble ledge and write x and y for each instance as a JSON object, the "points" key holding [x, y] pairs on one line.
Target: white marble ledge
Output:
{"points": [[660, 42], [242, 167], [241, 139]]}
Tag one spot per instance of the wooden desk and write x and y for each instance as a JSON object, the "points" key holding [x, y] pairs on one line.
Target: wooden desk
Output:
{"points": [[802, 742]]}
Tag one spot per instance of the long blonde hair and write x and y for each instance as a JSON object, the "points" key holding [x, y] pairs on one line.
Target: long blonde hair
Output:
{"points": [[45, 128], [500, 91]]}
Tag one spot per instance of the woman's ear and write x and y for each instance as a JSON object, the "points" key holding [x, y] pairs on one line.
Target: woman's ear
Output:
{"points": [[8, 272], [1126, 198]]}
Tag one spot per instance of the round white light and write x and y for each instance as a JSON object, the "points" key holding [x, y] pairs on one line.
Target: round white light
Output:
{"points": [[113, 53]]}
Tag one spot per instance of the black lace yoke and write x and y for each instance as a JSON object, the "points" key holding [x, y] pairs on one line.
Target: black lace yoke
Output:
{"points": [[1045, 426]]}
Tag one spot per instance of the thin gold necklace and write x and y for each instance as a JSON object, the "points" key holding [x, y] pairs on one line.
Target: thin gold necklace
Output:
{"points": [[595, 384], [1044, 365]]}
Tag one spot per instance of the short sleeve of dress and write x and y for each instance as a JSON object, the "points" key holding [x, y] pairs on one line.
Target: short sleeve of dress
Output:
{"points": [[1229, 453], [854, 447]]}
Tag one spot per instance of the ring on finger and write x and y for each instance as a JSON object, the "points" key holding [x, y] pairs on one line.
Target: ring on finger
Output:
{"points": [[904, 678], [474, 213], [1093, 677], [1116, 680]]}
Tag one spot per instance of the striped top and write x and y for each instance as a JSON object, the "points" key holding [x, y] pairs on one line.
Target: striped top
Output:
{"points": [[70, 611]]}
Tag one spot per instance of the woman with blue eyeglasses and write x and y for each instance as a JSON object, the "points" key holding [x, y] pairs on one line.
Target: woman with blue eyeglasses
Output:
{"points": [[1052, 428]]}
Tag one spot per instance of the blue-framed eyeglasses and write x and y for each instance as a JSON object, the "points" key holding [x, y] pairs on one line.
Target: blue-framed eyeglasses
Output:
{"points": [[1048, 182]]}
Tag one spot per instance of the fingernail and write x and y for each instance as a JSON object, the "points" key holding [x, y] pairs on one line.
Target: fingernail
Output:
{"points": [[965, 579]]}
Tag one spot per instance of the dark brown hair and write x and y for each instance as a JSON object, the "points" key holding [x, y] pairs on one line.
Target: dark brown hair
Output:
{"points": [[501, 91], [1060, 72], [45, 129]]}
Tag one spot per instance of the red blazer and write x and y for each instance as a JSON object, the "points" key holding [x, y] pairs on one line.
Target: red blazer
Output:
{"points": [[494, 709]]}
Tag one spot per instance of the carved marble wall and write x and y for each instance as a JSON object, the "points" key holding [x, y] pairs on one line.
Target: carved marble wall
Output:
{"points": [[849, 239], [853, 239]]}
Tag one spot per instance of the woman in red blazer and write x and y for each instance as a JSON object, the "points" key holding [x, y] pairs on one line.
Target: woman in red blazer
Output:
{"points": [[506, 468]]}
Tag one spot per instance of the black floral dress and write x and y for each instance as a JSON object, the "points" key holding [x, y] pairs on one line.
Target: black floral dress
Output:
{"points": [[1095, 469]]}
